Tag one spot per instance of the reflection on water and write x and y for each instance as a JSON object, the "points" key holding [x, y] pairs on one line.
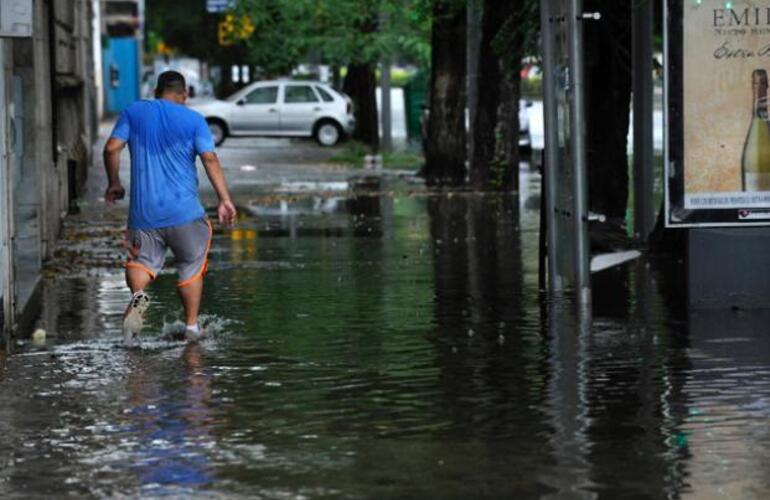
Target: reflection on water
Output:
{"points": [[390, 347], [173, 436]]}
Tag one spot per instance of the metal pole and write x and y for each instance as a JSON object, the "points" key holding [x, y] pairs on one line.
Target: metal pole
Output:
{"points": [[644, 210], [140, 47], [4, 239], [555, 282], [577, 146]]}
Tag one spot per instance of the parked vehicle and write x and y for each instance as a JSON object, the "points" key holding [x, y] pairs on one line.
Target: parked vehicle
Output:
{"points": [[280, 108], [525, 136]]}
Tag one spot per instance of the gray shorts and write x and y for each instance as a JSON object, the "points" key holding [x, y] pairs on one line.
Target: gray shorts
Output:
{"points": [[189, 243]]}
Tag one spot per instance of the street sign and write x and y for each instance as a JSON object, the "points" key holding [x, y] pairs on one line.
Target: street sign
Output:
{"points": [[717, 153], [217, 6], [15, 18]]}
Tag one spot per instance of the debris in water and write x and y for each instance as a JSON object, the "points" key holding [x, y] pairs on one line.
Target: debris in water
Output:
{"points": [[38, 337]]}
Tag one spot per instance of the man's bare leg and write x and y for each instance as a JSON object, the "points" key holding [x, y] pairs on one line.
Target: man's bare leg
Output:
{"points": [[137, 279], [191, 301]]}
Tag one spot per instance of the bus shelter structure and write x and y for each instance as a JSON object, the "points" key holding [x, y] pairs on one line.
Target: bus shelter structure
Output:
{"points": [[565, 170]]}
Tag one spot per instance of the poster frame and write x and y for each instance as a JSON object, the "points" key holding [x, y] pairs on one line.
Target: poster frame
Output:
{"points": [[676, 214]]}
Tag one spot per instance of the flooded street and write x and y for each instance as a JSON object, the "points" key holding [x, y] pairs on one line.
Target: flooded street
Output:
{"points": [[378, 341]]}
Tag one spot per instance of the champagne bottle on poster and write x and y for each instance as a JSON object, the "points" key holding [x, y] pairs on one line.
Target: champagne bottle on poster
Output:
{"points": [[755, 163]]}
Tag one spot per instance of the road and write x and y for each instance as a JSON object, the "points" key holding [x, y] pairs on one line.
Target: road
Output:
{"points": [[251, 166], [387, 344]]}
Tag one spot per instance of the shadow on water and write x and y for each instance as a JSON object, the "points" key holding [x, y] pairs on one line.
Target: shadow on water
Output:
{"points": [[374, 343]]}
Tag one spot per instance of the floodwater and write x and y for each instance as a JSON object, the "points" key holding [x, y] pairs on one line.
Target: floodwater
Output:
{"points": [[388, 344]]}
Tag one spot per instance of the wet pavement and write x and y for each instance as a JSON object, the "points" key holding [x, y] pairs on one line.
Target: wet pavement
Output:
{"points": [[370, 339]]}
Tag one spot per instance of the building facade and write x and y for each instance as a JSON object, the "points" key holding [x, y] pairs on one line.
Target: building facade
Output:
{"points": [[47, 127]]}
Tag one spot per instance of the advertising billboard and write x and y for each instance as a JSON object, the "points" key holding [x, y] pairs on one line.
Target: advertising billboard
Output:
{"points": [[718, 127]]}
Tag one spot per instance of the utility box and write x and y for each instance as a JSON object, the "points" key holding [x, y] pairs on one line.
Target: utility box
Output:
{"points": [[16, 18], [120, 62], [728, 268]]}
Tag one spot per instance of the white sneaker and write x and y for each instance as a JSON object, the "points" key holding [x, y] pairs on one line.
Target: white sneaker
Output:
{"points": [[194, 335], [133, 319]]}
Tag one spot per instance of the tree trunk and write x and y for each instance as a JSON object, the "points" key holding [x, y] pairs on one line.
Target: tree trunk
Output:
{"points": [[608, 97], [496, 115], [445, 149], [505, 166], [336, 78], [473, 39], [360, 85]]}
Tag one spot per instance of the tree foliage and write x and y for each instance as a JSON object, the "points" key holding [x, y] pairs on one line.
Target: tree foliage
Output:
{"points": [[334, 32], [192, 32], [289, 32]]}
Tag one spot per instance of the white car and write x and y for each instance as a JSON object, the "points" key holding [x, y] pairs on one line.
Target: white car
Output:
{"points": [[525, 136], [280, 108]]}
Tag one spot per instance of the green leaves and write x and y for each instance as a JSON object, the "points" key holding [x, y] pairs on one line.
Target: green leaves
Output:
{"points": [[336, 32]]}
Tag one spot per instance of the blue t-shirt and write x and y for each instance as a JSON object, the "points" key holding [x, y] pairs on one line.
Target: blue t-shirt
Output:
{"points": [[164, 139]]}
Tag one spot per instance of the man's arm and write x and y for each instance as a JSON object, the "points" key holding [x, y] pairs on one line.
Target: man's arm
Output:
{"points": [[226, 210], [111, 157]]}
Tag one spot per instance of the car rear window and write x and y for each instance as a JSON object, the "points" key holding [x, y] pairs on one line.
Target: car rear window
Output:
{"points": [[327, 97], [299, 93]]}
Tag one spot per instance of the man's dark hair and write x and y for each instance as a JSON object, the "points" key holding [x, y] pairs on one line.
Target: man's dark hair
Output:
{"points": [[170, 81]]}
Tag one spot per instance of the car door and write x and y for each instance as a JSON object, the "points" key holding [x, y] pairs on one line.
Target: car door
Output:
{"points": [[256, 112], [300, 108]]}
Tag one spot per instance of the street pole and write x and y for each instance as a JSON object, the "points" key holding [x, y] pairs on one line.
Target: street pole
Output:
{"points": [[577, 147], [642, 88], [4, 264], [550, 176]]}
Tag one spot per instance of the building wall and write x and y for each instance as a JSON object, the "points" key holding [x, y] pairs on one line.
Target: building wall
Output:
{"points": [[50, 79], [6, 206], [51, 177]]}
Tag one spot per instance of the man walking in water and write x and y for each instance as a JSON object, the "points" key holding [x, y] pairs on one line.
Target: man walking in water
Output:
{"points": [[164, 138]]}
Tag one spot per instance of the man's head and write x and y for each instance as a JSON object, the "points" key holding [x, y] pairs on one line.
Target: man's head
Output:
{"points": [[172, 86]]}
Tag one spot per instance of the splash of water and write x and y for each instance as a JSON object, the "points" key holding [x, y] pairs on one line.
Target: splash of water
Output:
{"points": [[213, 325]]}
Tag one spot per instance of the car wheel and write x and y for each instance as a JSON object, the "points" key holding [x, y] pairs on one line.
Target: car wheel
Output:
{"points": [[328, 133], [218, 132]]}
